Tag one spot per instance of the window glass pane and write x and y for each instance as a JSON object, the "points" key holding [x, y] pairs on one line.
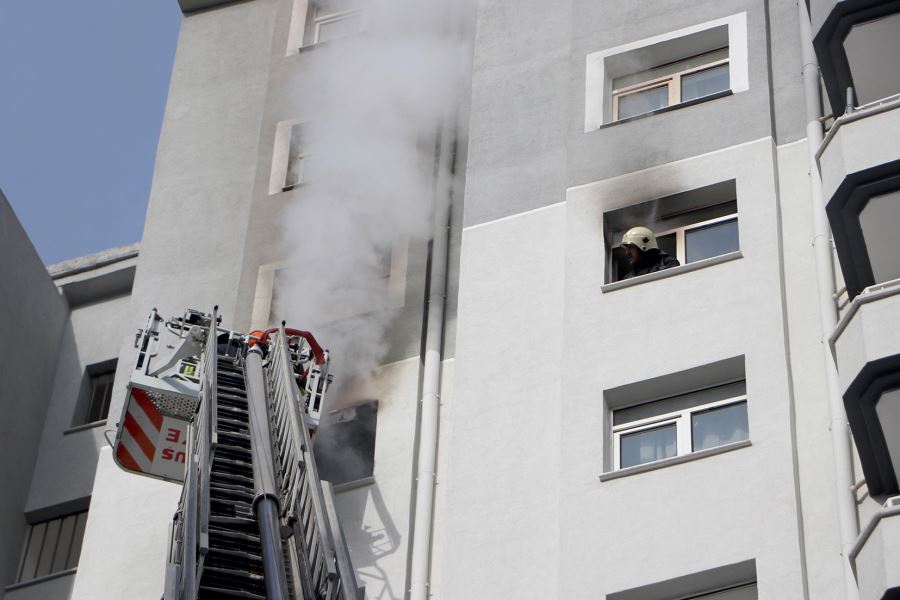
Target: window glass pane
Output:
{"points": [[32, 553], [711, 240], [295, 157], [638, 103], [719, 426], [878, 220], [65, 542], [706, 82], [77, 538], [50, 539], [328, 29], [647, 445], [101, 394]]}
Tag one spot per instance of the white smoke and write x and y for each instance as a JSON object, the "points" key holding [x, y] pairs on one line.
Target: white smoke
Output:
{"points": [[377, 100]]}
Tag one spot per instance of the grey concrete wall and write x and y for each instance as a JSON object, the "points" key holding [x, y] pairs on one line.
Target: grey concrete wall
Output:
{"points": [[68, 457], [32, 318]]}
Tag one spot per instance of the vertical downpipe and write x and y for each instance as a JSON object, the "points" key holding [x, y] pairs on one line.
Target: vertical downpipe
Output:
{"points": [[840, 433], [431, 380]]}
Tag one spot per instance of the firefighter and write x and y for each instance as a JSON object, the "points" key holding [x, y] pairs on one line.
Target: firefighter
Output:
{"points": [[644, 255]]}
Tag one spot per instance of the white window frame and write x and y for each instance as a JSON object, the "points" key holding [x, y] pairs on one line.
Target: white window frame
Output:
{"points": [[684, 443], [324, 19], [600, 69], [681, 248], [672, 82]]}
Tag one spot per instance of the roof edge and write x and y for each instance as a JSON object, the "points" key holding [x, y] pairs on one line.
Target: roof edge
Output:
{"points": [[73, 266]]}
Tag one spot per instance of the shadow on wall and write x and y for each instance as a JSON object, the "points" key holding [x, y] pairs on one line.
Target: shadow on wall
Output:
{"points": [[371, 539]]}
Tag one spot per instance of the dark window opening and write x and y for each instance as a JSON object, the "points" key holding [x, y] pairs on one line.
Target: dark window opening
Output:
{"points": [[345, 443]]}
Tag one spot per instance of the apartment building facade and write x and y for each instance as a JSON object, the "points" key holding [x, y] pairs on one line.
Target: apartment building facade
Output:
{"points": [[675, 435]]}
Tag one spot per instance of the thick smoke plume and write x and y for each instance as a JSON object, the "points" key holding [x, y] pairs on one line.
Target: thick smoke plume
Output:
{"points": [[377, 100]]}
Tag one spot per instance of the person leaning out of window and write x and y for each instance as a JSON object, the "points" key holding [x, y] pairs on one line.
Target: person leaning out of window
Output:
{"points": [[644, 255]]}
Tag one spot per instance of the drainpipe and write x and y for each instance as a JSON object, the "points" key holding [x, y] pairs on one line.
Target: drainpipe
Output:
{"points": [[431, 380], [840, 432]]}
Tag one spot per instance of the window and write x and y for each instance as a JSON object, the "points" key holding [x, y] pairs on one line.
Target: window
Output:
{"points": [[871, 47], [701, 240], [96, 393], [736, 581], [671, 84], [296, 158], [705, 61], [52, 546], [691, 226], [345, 443], [680, 425], [329, 20]]}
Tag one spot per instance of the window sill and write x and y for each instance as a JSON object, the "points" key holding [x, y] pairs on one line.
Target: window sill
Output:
{"points": [[85, 427], [30, 582], [700, 264], [675, 460], [666, 109]]}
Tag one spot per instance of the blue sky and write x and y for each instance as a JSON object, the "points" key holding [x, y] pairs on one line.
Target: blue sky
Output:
{"points": [[83, 87]]}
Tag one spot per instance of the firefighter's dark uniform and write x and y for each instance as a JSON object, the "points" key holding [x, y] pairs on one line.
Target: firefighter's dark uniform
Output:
{"points": [[651, 261]]}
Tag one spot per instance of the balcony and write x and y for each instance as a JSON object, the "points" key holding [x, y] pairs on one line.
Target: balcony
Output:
{"points": [[877, 548], [860, 165], [866, 346], [856, 44]]}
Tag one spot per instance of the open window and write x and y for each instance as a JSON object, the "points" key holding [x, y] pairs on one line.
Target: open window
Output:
{"points": [[345, 443], [692, 226], [296, 158], [677, 68]]}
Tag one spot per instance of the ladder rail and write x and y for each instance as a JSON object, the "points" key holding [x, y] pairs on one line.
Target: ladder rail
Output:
{"points": [[331, 570]]}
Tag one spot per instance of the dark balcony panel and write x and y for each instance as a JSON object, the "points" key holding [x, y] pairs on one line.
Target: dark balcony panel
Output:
{"points": [[868, 41], [864, 213], [872, 403]]}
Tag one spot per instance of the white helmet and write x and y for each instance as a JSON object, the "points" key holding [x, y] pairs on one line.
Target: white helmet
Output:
{"points": [[640, 237]]}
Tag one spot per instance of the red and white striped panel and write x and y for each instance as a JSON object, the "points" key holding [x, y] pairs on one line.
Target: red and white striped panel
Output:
{"points": [[149, 442]]}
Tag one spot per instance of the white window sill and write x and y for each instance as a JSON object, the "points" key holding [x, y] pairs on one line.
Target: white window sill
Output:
{"points": [[675, 460], [700, 264]]}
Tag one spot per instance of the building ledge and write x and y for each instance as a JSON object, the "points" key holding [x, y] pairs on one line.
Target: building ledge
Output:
{"points": [[92, 261], [694, 266], [675, 460]]}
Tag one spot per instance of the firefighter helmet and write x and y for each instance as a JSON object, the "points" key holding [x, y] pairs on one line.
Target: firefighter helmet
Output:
{"points": [[640, 237]]}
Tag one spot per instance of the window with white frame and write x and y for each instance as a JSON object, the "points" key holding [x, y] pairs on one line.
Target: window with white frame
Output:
{"points": [[296, 158], [680, 425], [691, 226], [670, 84], [96, 393], [52, 546], [329, 20], [701, 62]]}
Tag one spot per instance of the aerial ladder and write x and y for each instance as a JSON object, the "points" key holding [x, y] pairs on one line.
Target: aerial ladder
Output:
{"points": [[232, 418]]}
